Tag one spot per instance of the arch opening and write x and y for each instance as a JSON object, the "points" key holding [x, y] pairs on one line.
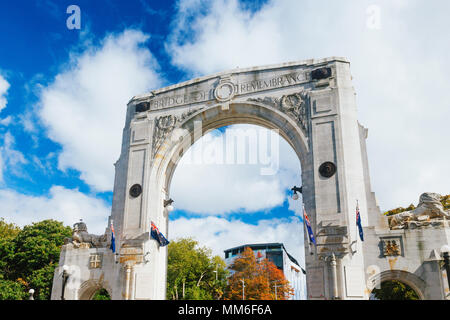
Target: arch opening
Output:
{"points": [[92, 290], [397, 285], [394, 290], [221, 182], [101, 294]]}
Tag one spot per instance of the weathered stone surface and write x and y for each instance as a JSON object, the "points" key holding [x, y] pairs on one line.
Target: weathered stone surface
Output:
{"points": [[82, 239], [428, 211]]}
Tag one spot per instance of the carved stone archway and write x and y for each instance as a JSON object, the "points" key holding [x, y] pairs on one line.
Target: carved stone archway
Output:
{"points": [[90, 287], [312, 105], [415, 282]]}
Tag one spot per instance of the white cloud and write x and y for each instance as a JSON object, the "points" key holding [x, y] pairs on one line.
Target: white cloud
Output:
{"points": [[399, 72], [66, 205], [10, 158], [220, 234], [4, 86], [6, 121], [202, 185], [84, 108]]}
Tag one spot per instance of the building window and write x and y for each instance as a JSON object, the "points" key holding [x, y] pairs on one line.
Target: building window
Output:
{"points": [[95, 261], [276, 258]]}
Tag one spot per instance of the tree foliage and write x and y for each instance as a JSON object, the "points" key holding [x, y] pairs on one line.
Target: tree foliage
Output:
{"points": [[101, 294], [12, 290], [191, 272], [28, 257], [395, 290], [260, 277]]}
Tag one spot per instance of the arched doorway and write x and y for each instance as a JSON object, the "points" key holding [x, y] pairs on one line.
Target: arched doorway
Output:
{"points": [[235, 203], [180, 140], [397, 285], [93, 290], [394, 290]]}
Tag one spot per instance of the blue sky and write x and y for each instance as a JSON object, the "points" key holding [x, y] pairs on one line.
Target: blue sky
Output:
{"points": [[63, 95]]}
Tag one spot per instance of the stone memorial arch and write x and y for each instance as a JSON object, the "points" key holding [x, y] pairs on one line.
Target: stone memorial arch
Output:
{"points": [[310, 103]]}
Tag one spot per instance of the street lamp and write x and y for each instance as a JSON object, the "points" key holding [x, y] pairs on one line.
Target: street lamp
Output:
{"points": [[168, 205], [65, 276], [31, 292], [445, 250], [276, 286], [243, 291], [296, 189]]}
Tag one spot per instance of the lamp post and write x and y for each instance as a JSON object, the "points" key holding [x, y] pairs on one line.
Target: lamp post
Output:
{"points": [[31, 292], [243, 291], [168, 205], [65, 276], [296, 189], [276, 286], [445, 250]]}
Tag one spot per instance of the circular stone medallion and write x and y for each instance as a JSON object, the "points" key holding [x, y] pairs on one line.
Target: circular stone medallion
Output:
{"points": [[327, 169], [224, 91], [135, 190]]}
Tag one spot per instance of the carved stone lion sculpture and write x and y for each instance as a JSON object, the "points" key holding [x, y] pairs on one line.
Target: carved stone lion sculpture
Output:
{"points": [[429, 207], [81, 237]]}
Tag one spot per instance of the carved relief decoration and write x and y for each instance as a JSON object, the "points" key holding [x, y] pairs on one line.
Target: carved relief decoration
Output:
{"points": [[391, 246], [294, 105], [164, 126]]}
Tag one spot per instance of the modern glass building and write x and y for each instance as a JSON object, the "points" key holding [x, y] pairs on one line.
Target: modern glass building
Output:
{"points": [[276, 253]]}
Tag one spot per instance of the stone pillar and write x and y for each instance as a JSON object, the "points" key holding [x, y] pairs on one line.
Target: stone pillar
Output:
{"points": [[128, 269], [334, 281]]}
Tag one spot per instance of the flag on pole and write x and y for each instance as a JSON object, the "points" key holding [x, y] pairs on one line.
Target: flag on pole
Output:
{"points": [[113, 239], [358, 222], [158, 236], [308, 226]]}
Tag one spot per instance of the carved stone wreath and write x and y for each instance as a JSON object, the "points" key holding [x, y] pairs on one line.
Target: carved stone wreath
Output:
{"points": [[164, 125], [294, 105]]}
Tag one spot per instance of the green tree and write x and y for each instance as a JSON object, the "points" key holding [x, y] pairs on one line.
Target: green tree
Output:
{"points": [[395, 290], [8, 230], [12, 290], [101, 294], [38, 245], [192, 272], [28, 257]]}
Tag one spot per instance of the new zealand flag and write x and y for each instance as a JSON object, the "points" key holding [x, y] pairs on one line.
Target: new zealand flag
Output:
{"points": [[308, 226], [358, 223], [113, 239], [158, 236]]}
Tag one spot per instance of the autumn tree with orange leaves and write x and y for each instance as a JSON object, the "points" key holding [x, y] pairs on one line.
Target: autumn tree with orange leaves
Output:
{"points": [[260, 278]]}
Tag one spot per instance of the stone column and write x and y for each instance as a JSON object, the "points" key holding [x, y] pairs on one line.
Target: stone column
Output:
{"points": [[334, 282], [128, 269]]}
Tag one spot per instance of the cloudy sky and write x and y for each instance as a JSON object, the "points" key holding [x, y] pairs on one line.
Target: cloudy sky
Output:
{"points": [[63, 95]]}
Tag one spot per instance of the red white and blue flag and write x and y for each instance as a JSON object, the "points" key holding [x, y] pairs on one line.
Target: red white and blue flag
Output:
{"points": [[358, 223], [158, 236], [113, 239], [308, 227]]}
